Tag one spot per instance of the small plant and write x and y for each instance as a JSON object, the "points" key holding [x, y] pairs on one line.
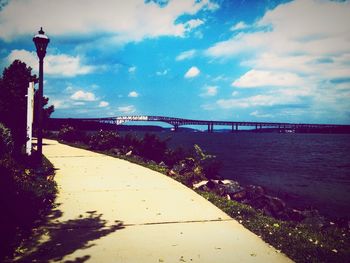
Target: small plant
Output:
{"points": [[6, 142], [210, 166]]}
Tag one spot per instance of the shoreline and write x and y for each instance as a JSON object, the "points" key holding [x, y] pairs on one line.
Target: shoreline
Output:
{"points": [[273, 205], [309, 176], [294, 239], [303, 201], [301, 241]]}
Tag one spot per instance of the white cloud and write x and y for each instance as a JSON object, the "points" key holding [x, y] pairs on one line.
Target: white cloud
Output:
{"points": [[186, 55], [212, 6], [131, 20], [162, 73], [192, 72], [198, 34], [127, 109], [272, 61], [239, 26], [78, 103], [220, 78], [208, 107], [312, 27], [193, 23], [257, 101], [210, 91], [103, 104], [293, 51], [132, 69], [133, 94], [260, 78], [83, 96], [60, 65], [240, 43], [60, 104], [260, 115]]}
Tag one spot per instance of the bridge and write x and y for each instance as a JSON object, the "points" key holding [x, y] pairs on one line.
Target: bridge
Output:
{"points": [[234, 125]]}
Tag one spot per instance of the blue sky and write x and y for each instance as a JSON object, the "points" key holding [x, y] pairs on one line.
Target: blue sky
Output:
{"points": [[239, 60]]}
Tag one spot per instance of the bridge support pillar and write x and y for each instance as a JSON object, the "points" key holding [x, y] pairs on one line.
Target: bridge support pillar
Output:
{"points": [[234, 127], [258, 127], [176, 127], [210, 127]]}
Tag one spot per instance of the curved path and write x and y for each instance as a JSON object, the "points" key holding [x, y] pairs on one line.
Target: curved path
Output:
{"points": [[110, 210]]}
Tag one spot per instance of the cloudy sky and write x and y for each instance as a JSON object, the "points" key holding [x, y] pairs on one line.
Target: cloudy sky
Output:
{"points": [[263, 60]]}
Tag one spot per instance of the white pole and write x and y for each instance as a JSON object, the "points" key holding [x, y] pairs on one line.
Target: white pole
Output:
{"points": [[30, 112]]}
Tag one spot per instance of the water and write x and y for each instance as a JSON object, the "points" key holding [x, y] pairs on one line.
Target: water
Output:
{"points": [[306, 170]]}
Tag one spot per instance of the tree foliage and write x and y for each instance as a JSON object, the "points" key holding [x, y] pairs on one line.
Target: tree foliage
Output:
{"points": [[13, 104], [13, 101], [47, 110]]}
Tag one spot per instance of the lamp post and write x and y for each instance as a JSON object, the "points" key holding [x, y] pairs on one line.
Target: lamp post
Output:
{"points": [[41, 41]]}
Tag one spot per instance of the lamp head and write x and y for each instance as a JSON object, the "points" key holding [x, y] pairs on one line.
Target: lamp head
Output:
{"points": [[41, 41]]}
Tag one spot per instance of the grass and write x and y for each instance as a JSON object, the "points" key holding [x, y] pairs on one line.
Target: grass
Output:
{"points": [[302, 242]]}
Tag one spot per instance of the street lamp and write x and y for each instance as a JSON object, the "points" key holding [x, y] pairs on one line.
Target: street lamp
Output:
{"points": [[41, 41]]}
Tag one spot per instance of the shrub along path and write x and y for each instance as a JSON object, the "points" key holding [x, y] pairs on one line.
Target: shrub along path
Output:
{"points": [[110, 210]]}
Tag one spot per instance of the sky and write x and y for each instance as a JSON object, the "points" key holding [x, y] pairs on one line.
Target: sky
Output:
{"points": [[236, 60]]}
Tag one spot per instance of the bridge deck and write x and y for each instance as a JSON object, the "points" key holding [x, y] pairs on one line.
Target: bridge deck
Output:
{"points": [[176, 122]]}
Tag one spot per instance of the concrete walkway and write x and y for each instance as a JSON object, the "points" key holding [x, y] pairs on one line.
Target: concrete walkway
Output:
{"points": [[110, 210]]}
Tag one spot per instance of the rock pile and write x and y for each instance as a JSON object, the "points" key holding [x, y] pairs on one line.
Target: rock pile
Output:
{"points": [[254, 196]]}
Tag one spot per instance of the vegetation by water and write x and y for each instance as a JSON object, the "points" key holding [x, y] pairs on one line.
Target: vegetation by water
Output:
{"points": [[306, 241], [305, 170]]}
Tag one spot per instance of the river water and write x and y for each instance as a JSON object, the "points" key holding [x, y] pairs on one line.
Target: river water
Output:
{"points": [[305, 170]]}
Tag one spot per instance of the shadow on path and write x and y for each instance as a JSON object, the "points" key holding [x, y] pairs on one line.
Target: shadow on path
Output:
{"points": [[58, 239]]}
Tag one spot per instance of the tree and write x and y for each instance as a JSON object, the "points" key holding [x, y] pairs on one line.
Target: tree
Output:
{"points": [[13, 90], [13, 101], [47, 110]]}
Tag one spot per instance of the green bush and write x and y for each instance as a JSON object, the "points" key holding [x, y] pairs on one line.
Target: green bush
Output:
{"points": [[70, 134], [6, 142], [152, 148], [173, 157], [25, 196], [104, 141], [130, 143], [209, 164]]}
